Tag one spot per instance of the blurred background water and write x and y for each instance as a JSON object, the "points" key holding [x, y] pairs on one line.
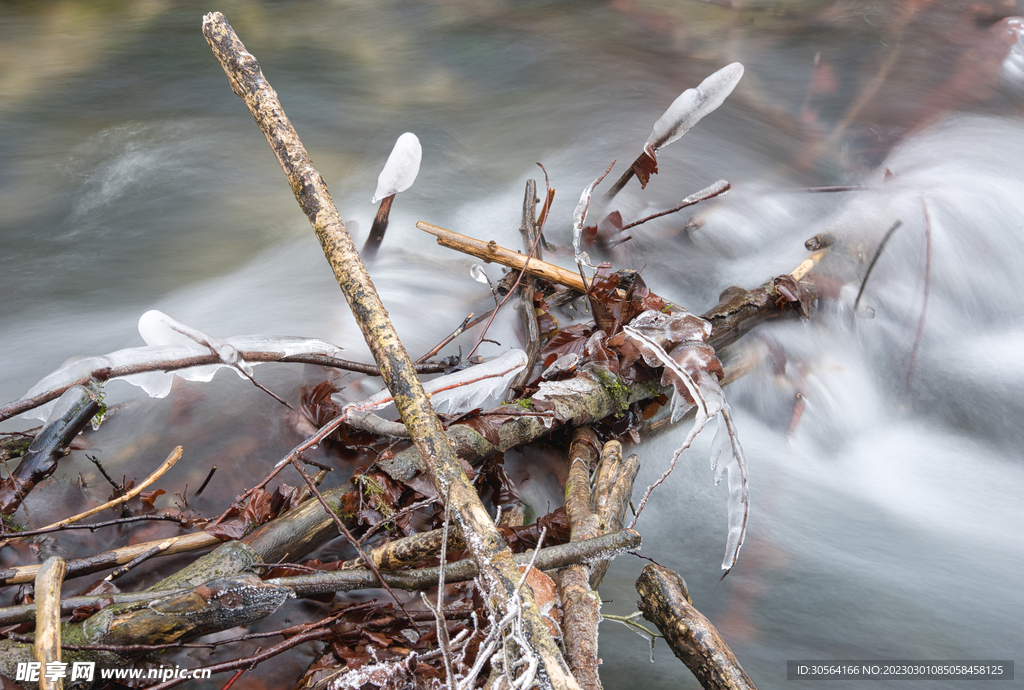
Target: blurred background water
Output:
{"points": [[885, 523]]}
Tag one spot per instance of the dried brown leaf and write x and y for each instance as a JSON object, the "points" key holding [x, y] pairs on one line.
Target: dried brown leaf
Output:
{"points": [[644, 166]]}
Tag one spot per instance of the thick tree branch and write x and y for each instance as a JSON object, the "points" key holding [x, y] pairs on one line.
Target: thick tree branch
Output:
{"points": [[499, 572]]}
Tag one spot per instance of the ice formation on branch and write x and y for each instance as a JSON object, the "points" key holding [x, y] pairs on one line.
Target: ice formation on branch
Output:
{"points": [[579, 217], [462, 391], [691, 106], [692, 369], [477, 273], [169, 343], [401, 168]]}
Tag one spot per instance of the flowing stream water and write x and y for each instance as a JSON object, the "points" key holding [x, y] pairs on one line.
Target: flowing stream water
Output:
{"points": [[885, 519]]}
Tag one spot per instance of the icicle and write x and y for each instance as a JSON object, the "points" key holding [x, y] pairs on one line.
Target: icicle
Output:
{"points": [[468, 389], [579, 217], [727, 460], [726, 454], [401, 168], [692, 105], [73, 369], [157, 328], [712, 190]]}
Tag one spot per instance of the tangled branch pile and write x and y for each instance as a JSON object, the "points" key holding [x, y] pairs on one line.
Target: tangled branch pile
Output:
{"points": [[509, 605]]}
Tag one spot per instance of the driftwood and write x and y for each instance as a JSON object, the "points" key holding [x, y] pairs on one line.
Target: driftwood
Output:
{"points": [[613, 487], [665, 602]]}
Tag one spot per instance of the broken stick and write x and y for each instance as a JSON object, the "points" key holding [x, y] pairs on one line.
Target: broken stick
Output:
{"points": [[492, 252], [666, 603]]}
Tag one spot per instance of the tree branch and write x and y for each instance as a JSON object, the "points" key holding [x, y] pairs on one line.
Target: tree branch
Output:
{"points": [[666, 603], [499, 572]]}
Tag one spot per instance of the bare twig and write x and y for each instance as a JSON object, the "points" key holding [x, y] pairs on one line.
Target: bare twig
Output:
{"points": [[351, 540], [93, 526], [717, 189], [141, 558], [549, 558], [442, 626], [871, 266], [528, 315], [25, 404], [167, 464], [76, 567], [522, 272], [202, 487], [451, 336], [251, 661]]}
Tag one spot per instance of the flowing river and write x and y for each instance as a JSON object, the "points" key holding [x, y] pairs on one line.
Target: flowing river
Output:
{"points": [[884, 445]]}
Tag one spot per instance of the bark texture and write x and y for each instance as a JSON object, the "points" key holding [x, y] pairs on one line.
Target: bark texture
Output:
{"points": [[47, 592], [581, 607], [665, 602]]}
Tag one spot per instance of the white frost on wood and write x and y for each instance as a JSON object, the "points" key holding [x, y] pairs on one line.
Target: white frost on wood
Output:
{"points": [[401, 168], [692, 105], [578, 385]]}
